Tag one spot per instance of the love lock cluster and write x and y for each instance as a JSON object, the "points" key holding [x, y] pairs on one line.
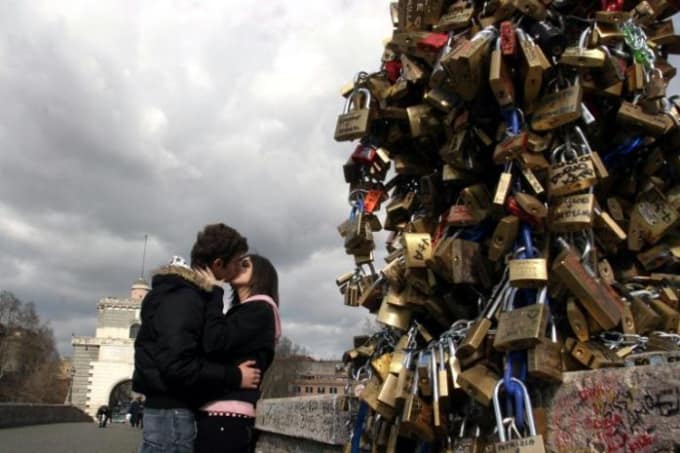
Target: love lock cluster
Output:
{"points": [[528, 159]]}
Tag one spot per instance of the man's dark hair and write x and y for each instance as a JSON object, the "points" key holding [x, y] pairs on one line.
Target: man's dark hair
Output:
{"points": [[264, 280], [217, 241]]}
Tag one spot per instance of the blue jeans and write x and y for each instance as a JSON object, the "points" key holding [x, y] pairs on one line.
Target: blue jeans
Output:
{"points": [[168, 431]]}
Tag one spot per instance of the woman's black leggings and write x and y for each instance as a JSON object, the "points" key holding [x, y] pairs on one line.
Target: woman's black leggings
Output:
{"points": [[224, 434]]}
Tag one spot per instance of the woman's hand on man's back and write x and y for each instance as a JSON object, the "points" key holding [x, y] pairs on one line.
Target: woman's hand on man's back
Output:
{"points": [[250, 375]]}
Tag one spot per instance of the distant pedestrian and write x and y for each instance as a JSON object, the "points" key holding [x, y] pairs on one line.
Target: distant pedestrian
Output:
{"points": [[103, 415], [134, 413]]}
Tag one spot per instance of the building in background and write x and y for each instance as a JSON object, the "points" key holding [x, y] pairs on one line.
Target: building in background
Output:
{"points": [[318, 377], [103, 364]]}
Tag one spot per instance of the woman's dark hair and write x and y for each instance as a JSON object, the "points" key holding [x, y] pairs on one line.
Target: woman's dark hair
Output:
{"points": [[217, 241], [264, 279]]}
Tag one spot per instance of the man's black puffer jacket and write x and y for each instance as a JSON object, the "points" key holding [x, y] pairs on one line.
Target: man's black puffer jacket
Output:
{"points": [[171, 368]]}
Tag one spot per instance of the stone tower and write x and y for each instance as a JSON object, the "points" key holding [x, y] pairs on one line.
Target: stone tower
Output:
{"points": [[105, 362]]}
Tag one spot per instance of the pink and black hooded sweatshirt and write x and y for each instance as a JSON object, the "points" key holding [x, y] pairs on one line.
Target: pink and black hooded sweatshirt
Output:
{"points": [[249, 331]]}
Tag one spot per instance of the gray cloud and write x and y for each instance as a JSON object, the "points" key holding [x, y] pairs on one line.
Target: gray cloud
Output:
{"points": [[120, 120]]}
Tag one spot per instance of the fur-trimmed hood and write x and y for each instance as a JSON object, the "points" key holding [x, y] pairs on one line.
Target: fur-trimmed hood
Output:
{"points": [[185, 273]]}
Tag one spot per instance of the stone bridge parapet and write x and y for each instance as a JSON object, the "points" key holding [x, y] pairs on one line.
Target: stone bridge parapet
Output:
{"points": [[607, 410], [26, 414]]}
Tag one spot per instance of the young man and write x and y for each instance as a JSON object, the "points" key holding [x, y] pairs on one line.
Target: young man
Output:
{"points": [[170, 365]]}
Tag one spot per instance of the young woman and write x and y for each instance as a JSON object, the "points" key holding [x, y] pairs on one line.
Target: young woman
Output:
{"points": [[249, 331]]}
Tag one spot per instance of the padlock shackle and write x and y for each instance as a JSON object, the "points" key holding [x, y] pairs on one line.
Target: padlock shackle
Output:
{"points": [[563, 152], [499, 415], [583, 138], [509, 298], [542, 296], [434, 376], [490, 32], [349, 102], [583, 38], [442, 356], [517, 253], [416, 374], [496, 303]]}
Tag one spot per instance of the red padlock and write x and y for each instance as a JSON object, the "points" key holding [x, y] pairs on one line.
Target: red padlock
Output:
{"points": [[612, 5], [372, 200], [508, 38], [364, 154], [434, 42], [393, 70], [514, 208]]}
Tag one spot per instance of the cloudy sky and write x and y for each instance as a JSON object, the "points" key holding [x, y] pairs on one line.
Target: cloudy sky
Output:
{"points": [[125, 118], [120, 118]]}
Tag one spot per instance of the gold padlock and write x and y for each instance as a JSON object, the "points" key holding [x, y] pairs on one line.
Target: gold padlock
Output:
{"points": [[544, 360], [532, 8], [531, 205], [671, 317], [397, 317], [571, 213], [355, 120], [500, 81], [421, 120], [478, 331], [521, 328], [528, 272], [465, 256], [533, 67], [577, 320], [458, 17], [417, 249], [478, 382], [381, 365], [571, 176], [581, 56], [461, 215], [418, 14], [611, 17], [370, 396], [599, 302], [478, 199], [464, 66], [654, 124], [417, 415], [504, 237], [557, 109], [646, 319], [652, 217], [388, 391]]}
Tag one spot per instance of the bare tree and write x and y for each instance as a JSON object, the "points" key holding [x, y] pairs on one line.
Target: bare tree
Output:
{"points": [[29, 361], [279, 378]]}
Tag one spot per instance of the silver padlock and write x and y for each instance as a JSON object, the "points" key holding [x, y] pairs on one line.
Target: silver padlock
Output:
{"points": [[533, 443]]}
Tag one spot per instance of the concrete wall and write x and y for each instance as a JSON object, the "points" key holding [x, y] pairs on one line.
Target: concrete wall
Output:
{"points": [[308, 424], [633, 409], [614, 410], [14, 414]]}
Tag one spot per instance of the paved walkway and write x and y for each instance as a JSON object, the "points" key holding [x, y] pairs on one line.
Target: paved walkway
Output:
{"points": [[70, 438]]}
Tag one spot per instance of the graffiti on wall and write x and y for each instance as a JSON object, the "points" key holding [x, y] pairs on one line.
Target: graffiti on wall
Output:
{"points": [[602, 412]]}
